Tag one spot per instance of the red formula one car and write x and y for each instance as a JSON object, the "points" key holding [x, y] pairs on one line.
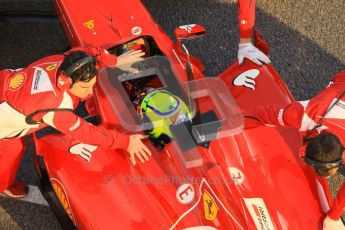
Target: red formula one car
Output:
{"points": [[207, 170]]}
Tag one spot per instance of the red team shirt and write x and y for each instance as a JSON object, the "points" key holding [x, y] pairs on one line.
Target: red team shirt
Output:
{"points": [[306, 114], [35, 88], [246, 17]]}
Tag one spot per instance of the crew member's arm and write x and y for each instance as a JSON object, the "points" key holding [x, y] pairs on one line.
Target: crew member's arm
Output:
{"points": [[104, 58], [332, 220], [246, 18], [292, 115], [70, 124], [246, 21], [338, 205]]}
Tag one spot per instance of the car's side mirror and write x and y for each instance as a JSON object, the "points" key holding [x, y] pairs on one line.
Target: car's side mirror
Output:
{"points": [[189, 32]]}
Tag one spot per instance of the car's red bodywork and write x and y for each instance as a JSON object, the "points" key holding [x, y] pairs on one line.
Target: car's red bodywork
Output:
{"points": [[252, 179]]}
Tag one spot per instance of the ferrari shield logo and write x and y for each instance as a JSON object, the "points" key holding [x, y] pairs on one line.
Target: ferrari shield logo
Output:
{"points": [[51, 67], [16, 81], [210, 207], [90, 25]]}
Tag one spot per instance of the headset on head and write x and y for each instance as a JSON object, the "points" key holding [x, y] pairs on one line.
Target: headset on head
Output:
{"points": [[64, 80], [319, 164], [325, 165]]}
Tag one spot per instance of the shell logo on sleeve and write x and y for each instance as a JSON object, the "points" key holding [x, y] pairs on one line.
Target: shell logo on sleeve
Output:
{"points": [[16, 81]]}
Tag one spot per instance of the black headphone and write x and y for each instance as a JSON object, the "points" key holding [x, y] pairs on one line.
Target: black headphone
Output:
{"points": [[78, 64], [320, 164]]}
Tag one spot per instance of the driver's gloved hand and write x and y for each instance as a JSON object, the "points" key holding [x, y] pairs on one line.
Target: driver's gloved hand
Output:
{"points": [[248, 50], [330, 224]]}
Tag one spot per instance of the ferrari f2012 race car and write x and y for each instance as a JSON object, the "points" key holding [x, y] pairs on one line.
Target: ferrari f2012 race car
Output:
{"points": [[208, 169]]}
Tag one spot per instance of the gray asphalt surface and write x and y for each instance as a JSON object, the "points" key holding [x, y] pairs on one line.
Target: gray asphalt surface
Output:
{"points": [[307, 40]]}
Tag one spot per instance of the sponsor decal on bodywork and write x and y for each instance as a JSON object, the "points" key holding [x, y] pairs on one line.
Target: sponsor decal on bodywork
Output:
{"points": [[187, 28], [136, 30], [247, 79], [61, 194], [83, 150], [204, 186], [259, 213], [185, 193], [16, 81], [210, 207], [237, 175]]}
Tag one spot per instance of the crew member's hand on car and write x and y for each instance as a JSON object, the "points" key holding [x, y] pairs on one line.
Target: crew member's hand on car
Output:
{"points": [[248, 50], [137, 149], [129, 57], [330, 224], [125, 60]]}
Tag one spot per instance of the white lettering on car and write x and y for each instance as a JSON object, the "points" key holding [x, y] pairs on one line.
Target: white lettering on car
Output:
{"points": [[83, 150], [247, 79]]}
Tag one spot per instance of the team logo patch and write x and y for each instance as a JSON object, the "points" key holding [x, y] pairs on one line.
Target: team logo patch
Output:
{"points": [[16, 81], [210, 207], [41, 82], [51, 67], [90, 25]]}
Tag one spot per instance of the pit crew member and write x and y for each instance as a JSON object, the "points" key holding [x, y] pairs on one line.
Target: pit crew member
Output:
{"points": [[321, 121], [45, 93]]}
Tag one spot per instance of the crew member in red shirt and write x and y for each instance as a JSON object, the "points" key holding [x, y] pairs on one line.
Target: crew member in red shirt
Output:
{"points": [[321, 121], [46, 93]]}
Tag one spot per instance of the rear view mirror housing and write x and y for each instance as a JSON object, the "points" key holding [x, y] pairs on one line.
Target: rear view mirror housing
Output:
{"points": [[190, 31]]}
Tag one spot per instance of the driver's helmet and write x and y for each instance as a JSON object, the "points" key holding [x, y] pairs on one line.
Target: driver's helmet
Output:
{"points": [[163, 109]]}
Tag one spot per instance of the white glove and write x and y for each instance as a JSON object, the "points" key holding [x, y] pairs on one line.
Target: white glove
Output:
{"points": [[329, 224], [247, 50]]}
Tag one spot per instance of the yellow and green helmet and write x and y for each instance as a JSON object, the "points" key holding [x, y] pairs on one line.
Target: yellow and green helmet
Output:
{"points": [[163, 109]]}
